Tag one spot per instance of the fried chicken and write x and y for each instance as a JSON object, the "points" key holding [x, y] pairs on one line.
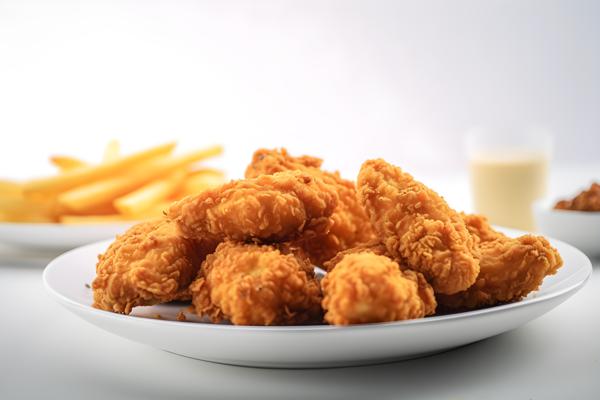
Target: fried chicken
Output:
{"points": [[480, 228], [510, 268], [269, 208], [149, 264], [365, 288], [371, 247], [350, 223], [587, 200], [251, 284], [417, 227], [269, 162]]}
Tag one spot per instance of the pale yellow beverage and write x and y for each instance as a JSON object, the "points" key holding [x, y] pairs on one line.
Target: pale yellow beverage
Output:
{"points": [[505, 185]]}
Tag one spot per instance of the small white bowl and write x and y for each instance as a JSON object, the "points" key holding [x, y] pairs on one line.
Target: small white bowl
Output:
{"points": [[579, 228]]}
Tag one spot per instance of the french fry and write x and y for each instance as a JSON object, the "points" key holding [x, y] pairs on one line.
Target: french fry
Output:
{"points": [[205, 171], [112, 151], [26, 210], [149, 195], [29, 217], [66, 163], [86, 197], [10, 189], [22, 205], [157, 210], [104, 209], [87, 174], [200, 181], [93, 219]]}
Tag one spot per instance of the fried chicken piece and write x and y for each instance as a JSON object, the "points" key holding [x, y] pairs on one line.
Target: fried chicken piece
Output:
{"points": [[425, 289], [417, 227], [376, 248], [426, 292], [269, 208], [149, 264], [365, 287], [510, 268], [271, 161], [251, 284], [371, 247], [587, 200], [480, 228], [350, 223]]}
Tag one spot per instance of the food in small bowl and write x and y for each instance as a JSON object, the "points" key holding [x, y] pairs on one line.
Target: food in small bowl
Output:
{"points": [[587, 200], [576, 221]]}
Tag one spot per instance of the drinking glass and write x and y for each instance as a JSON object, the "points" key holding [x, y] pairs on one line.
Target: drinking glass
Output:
{"points": [[508, 171]]}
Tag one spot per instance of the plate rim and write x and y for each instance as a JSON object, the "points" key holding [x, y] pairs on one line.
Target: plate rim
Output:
{"points": [[574, 287]]}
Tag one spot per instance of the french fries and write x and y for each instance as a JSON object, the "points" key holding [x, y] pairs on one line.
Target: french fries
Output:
{"points": [[201, 180], [120, 188], [93, 219], [18, 209], [87, 197], [66, 163], [10, 189], [150, 194], [91, 173]]}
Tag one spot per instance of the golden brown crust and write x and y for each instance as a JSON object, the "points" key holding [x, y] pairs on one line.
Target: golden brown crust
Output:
{"points": [[151, 263], [268, 208], [424, 290], [480, 228], [372, 247], [510, 269], [252, 284], [269, 162], [290, 213], [350, 223], [365, 288], [418, 227]]}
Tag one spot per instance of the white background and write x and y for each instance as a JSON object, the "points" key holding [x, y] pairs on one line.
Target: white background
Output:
{"points": [[344, 80]]}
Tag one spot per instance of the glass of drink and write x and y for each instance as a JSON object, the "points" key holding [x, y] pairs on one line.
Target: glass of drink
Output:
{"points": [[508, 171]]}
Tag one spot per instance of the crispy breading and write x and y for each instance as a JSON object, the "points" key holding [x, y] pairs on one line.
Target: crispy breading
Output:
{"points": [[275, 207], [510, 268], [350, 223], [365, 288], [374, 247], [480, 228], [149, 264], [418, 227], [251, 284]]}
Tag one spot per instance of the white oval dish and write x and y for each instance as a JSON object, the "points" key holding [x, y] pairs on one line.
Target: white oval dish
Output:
{"points": [[66, 277], [48, 236], [579, 228]]}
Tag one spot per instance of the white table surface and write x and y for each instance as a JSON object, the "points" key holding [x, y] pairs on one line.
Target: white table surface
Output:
{"points": [[47, 352]]}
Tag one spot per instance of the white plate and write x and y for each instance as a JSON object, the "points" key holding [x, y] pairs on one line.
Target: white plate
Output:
{"points": [[58, 236], [579, 228], [305, 346]]}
